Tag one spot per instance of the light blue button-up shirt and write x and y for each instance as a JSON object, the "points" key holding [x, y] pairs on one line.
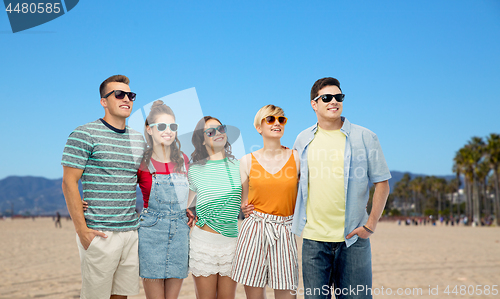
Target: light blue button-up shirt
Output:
{"points": [[363, 162]]}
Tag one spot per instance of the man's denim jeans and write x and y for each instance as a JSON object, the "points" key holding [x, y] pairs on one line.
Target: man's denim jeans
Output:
{"points": [[330, 269]]}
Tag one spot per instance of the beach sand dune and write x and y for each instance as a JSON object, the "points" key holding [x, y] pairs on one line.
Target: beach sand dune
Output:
{"points": [[38, 260]]}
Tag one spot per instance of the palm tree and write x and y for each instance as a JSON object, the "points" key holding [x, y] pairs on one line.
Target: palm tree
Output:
{"points": [[437, 186], [483, 170], [457, 168], [402, 191], [450, 188], [416, 186], [476, 150], [463, 168], [429, 197], [493, 157]]}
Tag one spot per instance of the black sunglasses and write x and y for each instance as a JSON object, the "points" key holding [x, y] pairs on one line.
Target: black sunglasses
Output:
{"points": [[163, 126], [212, 131], [327, 98], [120, 94]]}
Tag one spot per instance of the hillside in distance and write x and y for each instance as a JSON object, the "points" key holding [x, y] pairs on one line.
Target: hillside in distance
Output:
{"points": [[398, 175], [28, 195]]}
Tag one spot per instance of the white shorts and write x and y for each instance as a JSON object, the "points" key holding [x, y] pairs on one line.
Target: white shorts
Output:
{"points": [[110, 266], [266, 253], [210, 253]]}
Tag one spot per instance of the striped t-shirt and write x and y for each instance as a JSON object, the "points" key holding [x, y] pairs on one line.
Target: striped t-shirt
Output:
{"points": [[110, 159], [218, 187]]}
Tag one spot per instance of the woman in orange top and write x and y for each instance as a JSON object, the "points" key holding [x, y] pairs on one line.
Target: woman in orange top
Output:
{"points": [[266, 252]]}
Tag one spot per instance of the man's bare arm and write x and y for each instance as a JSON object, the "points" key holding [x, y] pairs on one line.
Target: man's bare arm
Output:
{"points": [[380, 195], [71, 177]]}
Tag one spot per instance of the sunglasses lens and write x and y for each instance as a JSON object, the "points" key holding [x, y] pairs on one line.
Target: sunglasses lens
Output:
{"points": [[270, 119], [327, 98], [161, 127], [210, 132], [131, 96], [282, 120], [222, 129], [339, 97], [174, 127], [119, 94]]}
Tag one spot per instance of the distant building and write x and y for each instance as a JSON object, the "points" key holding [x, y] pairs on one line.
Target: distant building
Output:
{"points": [[456, 197]]}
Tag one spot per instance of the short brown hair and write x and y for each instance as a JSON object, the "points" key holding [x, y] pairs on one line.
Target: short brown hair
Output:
{"points": [[323, 82], [115, 78]]}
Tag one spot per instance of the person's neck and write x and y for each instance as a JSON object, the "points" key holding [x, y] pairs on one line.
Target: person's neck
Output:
{"points": [[330, 125], [116, 122], [161, 153], [272, 147], [216, 155]]}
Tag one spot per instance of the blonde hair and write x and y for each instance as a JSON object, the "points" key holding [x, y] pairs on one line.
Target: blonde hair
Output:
{"points": [[266, 111]]}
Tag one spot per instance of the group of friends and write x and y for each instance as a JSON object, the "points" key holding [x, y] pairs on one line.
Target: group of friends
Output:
{"points": [[318, 190]]}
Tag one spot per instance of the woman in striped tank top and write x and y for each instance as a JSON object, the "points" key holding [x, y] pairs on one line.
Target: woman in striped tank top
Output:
{"points": [[266, 252], [214, 179]]}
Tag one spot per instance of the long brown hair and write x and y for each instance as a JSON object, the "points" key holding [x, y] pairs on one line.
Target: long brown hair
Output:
{"points": [[158, 109], [200, 154]]}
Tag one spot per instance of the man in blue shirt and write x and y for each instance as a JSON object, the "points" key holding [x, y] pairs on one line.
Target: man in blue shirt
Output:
{"points": [[338, 160]]}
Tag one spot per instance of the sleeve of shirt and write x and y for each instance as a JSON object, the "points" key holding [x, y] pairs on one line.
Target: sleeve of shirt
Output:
{"points": [[145, 182], [378, 171], [186, 161], [192, 185], [296, 143], [78, 149]]}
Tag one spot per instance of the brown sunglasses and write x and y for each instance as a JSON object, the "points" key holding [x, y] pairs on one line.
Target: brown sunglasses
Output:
{"points": [[271, 119]]}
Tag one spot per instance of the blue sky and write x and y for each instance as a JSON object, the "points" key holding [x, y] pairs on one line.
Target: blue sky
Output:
{"points": [[423, 75]]}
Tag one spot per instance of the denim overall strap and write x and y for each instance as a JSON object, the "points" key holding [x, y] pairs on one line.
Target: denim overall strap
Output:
{"points": [[169, 193], [164, 233], [151, 168]]}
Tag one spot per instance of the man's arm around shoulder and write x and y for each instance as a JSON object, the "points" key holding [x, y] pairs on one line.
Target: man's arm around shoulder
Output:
{"points": [[71, 177]]}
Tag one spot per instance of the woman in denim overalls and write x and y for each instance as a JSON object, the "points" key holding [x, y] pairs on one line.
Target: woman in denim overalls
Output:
{"points": [[164, 230]]}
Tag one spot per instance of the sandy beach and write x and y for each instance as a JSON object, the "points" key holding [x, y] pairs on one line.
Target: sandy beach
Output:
{"points": [[41, 261]]}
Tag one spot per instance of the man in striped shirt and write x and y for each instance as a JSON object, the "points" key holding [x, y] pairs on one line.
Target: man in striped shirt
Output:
{"points": [[105, 154]]}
